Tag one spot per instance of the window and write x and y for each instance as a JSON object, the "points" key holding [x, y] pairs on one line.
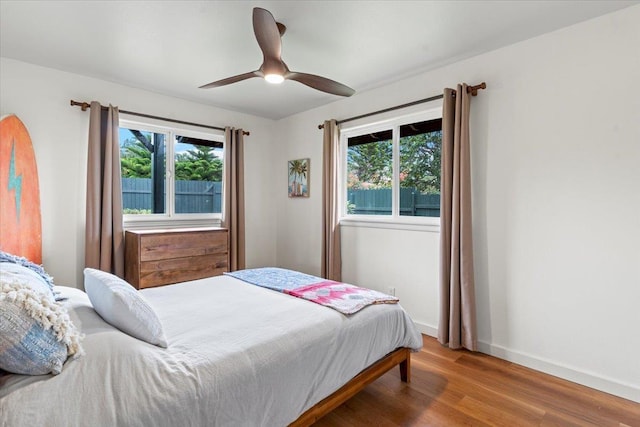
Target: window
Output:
{"points": [[392, 169], [169, 173]]}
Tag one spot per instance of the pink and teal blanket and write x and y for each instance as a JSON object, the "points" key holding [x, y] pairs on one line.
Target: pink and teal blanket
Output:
{"points": [[343, 297]]}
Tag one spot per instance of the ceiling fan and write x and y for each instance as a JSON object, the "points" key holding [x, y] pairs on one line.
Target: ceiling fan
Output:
{"points": [[273, 69]]}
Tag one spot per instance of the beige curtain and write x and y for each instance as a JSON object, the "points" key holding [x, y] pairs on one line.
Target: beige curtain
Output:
{"points": [[104, 238], [233, 218], [331, 267], [457, 326]]}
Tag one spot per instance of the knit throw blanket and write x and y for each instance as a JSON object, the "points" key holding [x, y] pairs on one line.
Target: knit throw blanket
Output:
{"points": [[343, 297]]}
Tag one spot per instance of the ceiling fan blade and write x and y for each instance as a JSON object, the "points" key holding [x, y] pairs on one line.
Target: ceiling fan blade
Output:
{"points": [[321, 83], [267, 33], [233, 79]]}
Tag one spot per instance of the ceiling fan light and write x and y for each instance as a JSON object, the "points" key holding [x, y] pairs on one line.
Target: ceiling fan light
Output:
{"points": [[274, 78]]}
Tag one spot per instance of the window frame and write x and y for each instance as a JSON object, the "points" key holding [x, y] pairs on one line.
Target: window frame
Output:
{"points": [[171, 219], [395, 220]]}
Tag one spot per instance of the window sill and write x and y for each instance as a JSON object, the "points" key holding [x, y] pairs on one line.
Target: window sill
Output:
{"points": [[164, 223], [431, 225]]}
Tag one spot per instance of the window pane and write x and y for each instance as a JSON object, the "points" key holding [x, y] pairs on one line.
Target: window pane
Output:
{"points": [[420, 168], [142, 158], [198, 180], [369, 174]]}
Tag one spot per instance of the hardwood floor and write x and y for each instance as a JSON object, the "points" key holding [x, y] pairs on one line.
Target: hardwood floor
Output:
{"points": [[460, 388]]}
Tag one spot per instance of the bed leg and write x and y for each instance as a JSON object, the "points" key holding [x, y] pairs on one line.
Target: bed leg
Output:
{"points": [[405, 369]]}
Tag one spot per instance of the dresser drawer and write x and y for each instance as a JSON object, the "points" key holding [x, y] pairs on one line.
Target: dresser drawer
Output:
{"points": [[162, 257], [182, 244]]}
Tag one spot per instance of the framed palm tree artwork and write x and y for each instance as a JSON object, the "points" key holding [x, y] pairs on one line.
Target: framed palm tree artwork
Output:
{"points": [[298, 178]]}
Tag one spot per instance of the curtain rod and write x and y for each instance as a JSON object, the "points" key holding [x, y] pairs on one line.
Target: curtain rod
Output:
{"points": [[473, 90], [84, 106]]}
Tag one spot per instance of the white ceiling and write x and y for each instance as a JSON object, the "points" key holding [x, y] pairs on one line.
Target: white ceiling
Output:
{"points": [[172, 47]]}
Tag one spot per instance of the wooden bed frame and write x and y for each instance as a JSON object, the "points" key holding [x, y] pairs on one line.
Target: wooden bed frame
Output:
{"points": [[400, 356]]}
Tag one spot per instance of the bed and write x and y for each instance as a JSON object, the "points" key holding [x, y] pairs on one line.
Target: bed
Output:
{"points": [[236, 354]]}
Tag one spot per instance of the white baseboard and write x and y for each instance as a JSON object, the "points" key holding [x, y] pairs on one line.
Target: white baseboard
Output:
{"points": [[589, 379], [425, 329]]}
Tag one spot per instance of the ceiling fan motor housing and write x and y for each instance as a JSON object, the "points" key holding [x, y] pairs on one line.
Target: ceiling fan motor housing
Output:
{"points": [[273, 66]]}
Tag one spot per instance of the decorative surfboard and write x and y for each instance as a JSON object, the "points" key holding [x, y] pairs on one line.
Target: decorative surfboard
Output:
{"points": [[20, 230]]}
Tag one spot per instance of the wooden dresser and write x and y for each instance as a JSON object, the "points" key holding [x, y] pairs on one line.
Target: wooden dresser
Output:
{"points": [[162, 257]]}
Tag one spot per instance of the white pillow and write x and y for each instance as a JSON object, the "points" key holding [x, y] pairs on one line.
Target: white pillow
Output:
{"points": [[121, 305], [16, 272]]}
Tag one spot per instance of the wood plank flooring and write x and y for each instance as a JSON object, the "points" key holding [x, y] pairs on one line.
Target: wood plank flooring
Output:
{"points": [[460, 388]]}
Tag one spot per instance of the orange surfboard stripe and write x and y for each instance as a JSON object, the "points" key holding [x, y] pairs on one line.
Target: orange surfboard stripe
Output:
{"points": [[21, 229]]}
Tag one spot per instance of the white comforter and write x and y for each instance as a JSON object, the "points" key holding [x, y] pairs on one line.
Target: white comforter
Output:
{"points": [[238, 355]]}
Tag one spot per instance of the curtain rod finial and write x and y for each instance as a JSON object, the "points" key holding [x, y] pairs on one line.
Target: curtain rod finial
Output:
{"points": [[474, 89], [321, 126], [83, 105]]}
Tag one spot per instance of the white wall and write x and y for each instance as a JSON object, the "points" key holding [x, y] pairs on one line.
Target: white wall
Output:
{"points": [[556, 171], [40, 98]]}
